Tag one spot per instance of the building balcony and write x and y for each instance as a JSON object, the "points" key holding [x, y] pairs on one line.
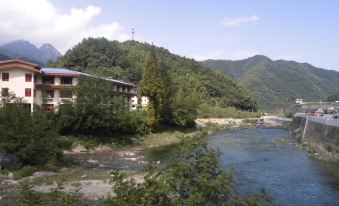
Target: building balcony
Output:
{"points": [[54, 86], [65, 100], [48, 100]]}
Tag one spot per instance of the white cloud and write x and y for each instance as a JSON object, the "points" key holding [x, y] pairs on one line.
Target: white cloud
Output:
{"points": [[39, 22], [239, 20], [228, 55]]}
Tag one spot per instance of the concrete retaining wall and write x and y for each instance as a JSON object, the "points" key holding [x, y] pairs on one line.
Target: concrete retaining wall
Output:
{"points": [[321, 138]]}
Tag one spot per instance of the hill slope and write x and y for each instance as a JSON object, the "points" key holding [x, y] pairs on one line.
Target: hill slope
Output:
{"points": [[25, 50], [4, 57], [276, 83], [126, 60]]}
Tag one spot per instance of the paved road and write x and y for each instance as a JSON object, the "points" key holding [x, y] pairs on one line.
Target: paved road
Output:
{"points": [[326, 120]]}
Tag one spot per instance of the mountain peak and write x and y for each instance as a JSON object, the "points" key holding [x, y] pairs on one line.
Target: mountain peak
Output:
{"points": [[48, 52], [259, 57], [26, 50], [47, 45]]}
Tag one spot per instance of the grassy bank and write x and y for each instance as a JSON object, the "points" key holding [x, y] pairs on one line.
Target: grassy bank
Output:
{"points": [[206, 111]]}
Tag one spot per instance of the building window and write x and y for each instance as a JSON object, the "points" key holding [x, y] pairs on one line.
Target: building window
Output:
{"points": [[47, 80], [118, 88], [4, 92], [28, 92], [48, 107], [66, 80], [66, 94], [28, 77], [49, 94], [5, 77]]}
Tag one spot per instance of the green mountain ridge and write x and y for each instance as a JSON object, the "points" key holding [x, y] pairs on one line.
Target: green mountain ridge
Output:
{"points": [[125, 61], [278, 83]]}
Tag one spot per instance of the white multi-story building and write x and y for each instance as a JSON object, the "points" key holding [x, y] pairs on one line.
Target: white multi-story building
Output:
{"points": [[50, 87], [138, 102]]}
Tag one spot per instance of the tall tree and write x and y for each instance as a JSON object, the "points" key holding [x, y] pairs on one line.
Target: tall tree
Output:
{"points": [[152, 86]]}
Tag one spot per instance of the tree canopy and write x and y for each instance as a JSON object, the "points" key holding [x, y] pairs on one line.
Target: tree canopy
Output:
{"points": [[334, 96], [126, 60]]}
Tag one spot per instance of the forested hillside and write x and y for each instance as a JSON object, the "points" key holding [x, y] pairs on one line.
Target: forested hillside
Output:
{"points": [[125, 61], [278, 83]]}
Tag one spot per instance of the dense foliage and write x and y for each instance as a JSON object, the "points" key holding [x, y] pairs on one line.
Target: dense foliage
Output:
{"points": [[152, 86], [196, 179], [125, 61], [31, 136], [334, 96], [277, 84], [98, 113], [206, 111]]}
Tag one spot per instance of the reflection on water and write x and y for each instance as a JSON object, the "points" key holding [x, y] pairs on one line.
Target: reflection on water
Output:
{"points": [[270, 159]]}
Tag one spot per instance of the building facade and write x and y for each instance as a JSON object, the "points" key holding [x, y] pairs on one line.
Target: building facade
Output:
{"points": [[50, 87], [138, 102]]}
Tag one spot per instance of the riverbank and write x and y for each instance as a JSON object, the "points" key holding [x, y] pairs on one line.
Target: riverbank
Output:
{"points": [[89, 168]]}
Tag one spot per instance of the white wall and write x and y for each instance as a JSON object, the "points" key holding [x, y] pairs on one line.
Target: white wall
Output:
{"points": [[17, 83]]}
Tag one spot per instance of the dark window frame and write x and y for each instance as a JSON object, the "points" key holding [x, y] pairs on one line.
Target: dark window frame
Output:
{"points": [[51, 92], [4, 91], [66, 80], [28, 92], [28, 77], [5, 77], [63, 92], [48, 80]]}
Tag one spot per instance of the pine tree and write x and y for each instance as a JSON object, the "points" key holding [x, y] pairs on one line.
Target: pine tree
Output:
{"points": [[150, 114], [152, 86]]}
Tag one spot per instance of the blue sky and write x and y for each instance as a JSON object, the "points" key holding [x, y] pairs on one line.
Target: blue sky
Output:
{"points": [[301, 30]]}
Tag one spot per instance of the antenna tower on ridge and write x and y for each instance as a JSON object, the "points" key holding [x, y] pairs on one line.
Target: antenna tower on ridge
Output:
{"points": [[133, 31]]}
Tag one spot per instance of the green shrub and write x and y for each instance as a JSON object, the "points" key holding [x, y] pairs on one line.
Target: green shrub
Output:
{"points": [[27, 171], [66, 142], [290, 115], [207, 111], [197, 179], [31, 136], [3, 171]]}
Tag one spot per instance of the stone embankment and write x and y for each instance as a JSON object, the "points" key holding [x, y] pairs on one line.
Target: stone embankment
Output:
{"points": [[317, 136]]}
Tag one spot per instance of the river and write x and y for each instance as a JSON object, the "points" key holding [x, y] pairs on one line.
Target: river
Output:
{"points": [[270, 159]]}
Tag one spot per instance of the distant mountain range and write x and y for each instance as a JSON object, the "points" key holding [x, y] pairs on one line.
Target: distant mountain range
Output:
{"points": [[278, 83], [25, 50]]}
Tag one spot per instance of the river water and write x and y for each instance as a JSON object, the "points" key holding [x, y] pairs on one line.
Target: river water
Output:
{"points": [[270, 159]]}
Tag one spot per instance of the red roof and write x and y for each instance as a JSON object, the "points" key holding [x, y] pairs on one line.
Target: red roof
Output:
{"points": [[19, 61]]}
